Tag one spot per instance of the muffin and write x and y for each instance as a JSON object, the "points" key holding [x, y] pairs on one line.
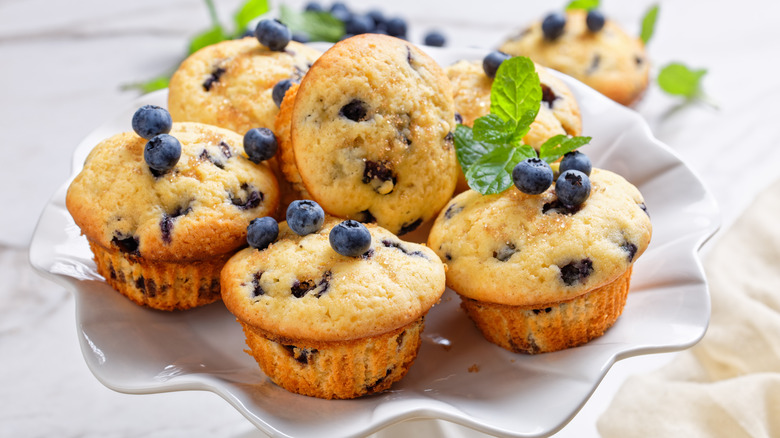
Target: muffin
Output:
{"points": [[327, 325], [371, 133], [608, 60], [286, 154], [230, 84], [559, 112], [536, 276], [162, 240]]}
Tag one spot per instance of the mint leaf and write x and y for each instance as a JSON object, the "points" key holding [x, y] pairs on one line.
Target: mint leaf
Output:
{"points": [[677, 79], [516, 91], [583, 4], [467, 149], [492, 172], [319, 26], [207, 38], [493, 129], [559, 145], [154, 84], [648, 24], [250, 10]]}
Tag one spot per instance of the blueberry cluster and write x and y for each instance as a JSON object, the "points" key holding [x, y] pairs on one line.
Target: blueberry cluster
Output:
{"points": [[162, 151], [374, 21], [554, 23], [349, 238], [533, 176]]}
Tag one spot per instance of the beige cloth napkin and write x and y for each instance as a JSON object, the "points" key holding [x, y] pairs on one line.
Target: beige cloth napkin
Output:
{"points": [[727, 385]]}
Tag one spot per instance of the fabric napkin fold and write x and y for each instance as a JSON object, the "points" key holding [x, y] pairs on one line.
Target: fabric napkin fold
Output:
{"points": [[727, 385]]}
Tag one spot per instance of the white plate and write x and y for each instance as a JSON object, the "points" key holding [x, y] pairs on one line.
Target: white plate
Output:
{"points": [[457, 376]]}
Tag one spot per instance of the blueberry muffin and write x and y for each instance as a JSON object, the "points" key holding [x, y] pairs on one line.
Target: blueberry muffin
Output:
{"points": [[230, 84], [559, 112], [371, 133], [608, 60], [162, 239], [327, 325], [536, 276], [285, 153]]}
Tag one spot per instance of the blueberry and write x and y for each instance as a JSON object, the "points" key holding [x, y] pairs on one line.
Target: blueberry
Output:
{"points": [[355, 110], [396, 27], [259, 144], [305, 217], [532, 176], [377, 16], [492, 61], [261, 232], [340, 11], [273, 34], [151, 120], [359, 24], [350, 238], [552, 26], [595, 20], [280, 89], [161, 153], [572, 188], [313, 7], [575, 160], [435, 38]]}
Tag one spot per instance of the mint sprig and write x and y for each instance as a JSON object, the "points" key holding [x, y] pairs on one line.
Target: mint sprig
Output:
{"points": [[250, 10], [678, 79], [560, 145], [488, 152], [492, 172], [583, 4], [648, 23], [319, 26]]}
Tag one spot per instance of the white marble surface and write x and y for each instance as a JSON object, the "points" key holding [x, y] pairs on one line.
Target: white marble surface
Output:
{"points": [[65, 62]]}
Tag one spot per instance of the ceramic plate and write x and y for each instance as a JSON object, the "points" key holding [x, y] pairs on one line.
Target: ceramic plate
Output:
{"points": [[457, 376]]}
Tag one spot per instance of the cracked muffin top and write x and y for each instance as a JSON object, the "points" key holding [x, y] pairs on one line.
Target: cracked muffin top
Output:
{"points": [[372, 135], [230, 84], [198, 209], [518, 249], [301, 288]]}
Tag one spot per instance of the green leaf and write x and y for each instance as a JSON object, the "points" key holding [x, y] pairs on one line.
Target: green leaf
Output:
{"points": [[492, 173], [677, 79], [648, 24], [250, 10], [154, 84], [493, 129], [467, 149], [516, 91], [319, 26], [559, 145], [207, 38], [583, 4]]}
